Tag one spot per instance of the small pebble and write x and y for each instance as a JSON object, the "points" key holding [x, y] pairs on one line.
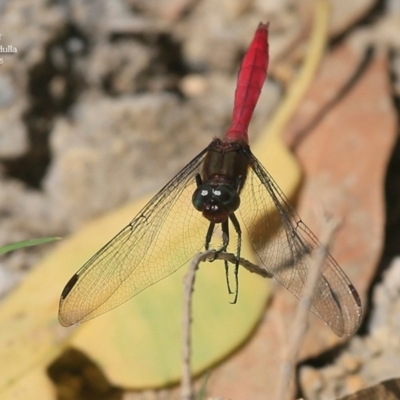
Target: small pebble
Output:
{"points": [[354, 383], [193, 85], [350, 362]]}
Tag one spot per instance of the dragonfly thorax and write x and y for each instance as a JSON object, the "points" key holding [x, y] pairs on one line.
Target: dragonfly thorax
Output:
{"points": [[216, 202]]}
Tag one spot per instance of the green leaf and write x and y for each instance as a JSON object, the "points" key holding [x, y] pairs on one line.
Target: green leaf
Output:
{"points": [[26, 243]]}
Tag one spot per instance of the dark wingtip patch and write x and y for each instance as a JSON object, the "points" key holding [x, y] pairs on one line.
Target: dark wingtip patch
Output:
{"points": [[355, 295], [68, 287]]}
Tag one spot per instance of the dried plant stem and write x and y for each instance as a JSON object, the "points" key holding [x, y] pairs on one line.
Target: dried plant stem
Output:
{"points": [[300, 322], [187, 391]]}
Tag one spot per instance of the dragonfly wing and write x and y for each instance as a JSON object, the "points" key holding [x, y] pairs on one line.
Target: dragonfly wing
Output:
{"points": [[285, 245], [158, 241]]}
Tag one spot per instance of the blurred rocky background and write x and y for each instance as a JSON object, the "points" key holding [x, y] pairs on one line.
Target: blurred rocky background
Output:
{"points": [[103, 101]]}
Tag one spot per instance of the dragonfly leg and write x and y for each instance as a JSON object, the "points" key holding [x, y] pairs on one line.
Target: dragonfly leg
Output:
{"points": [[225, 235], [238, 230], [225, 243], [209, 234]]}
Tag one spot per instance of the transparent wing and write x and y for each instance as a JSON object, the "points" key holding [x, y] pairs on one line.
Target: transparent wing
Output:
{"points": [[159, 240], [285, 245]]}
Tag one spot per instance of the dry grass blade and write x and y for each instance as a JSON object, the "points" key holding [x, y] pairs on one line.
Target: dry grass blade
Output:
{"points": [[300, 322]]}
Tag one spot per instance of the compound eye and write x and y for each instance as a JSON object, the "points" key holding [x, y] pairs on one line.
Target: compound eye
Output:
{"points": [[228, 197], [201, 196]]}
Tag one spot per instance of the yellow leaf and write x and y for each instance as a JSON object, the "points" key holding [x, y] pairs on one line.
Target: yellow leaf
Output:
{"points": [[138, 344], [34, 385]]}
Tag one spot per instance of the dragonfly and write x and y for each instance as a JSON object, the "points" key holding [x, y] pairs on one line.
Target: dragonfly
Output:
{"points": [[200, 207]]}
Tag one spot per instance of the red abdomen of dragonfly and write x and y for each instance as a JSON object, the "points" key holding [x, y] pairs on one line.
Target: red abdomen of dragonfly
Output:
{"points": [[222, 177], [225, 169], [249, 83]]}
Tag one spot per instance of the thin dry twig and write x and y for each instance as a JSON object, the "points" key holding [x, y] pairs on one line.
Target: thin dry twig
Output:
{"points": [[300, 323], [187, 392], [253, 268]]}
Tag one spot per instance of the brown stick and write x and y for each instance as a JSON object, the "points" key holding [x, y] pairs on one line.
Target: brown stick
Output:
{"points": [[300, 323]]}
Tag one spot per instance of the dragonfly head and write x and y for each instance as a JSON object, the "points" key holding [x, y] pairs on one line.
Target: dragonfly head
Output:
{"points": [[216, 202]]}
